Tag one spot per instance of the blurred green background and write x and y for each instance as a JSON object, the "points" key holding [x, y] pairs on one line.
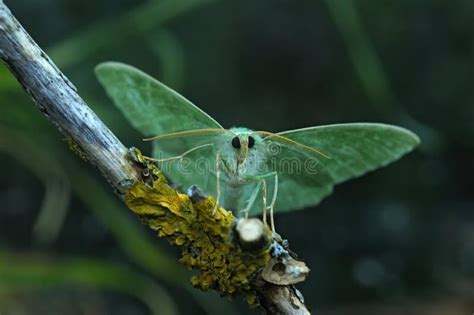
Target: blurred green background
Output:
{"points": [[397, 241]]}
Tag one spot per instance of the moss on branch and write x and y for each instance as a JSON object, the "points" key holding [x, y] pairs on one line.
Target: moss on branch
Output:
{"points": [[205, 238]]}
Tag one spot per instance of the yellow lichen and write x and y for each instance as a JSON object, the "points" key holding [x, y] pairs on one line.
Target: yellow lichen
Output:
{"points": [[202, 236], [74, 147]]}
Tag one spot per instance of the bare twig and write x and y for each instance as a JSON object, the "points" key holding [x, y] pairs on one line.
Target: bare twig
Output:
{"points": [[282, 300], [58, 100]]}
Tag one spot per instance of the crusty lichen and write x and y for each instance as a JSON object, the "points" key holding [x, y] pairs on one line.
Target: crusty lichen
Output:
{"points": [[74, 147], [203, 236]]}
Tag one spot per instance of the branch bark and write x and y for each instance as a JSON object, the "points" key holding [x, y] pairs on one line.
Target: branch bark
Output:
{"points": [[57, 98], [282, 300]]}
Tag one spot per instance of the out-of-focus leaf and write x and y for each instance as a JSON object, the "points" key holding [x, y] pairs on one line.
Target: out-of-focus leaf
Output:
{"points": [[370, 71], [171, 57], [23, 271], [101, 34], [212, 303], [53, 210], [364, 58], [7, 81], [57, 191]]}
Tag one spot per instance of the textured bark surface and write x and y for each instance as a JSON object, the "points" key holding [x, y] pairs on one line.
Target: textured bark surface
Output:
{"points": [[57, 98], [282, 300]]}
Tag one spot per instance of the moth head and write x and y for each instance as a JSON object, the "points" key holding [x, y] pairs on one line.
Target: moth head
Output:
{"points": [[242, 142]]}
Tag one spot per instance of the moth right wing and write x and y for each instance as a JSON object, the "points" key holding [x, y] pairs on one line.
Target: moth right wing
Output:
{"points": [[347, 151]]}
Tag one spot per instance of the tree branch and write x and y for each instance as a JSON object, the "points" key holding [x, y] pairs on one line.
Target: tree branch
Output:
{"points": [[57, 98]]}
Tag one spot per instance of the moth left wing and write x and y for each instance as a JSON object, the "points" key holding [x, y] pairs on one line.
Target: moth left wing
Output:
{"points": [[149, 105], [156, 110]]}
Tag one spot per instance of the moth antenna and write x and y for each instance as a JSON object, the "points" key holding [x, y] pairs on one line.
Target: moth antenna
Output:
{"points": [[193, 132], [296, 143]]}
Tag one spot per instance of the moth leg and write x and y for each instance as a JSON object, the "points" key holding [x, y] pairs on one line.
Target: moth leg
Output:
{"points": [[218, 183], [181, 156], [272, 203], [264, 193], [264, 200], [251, 200]]}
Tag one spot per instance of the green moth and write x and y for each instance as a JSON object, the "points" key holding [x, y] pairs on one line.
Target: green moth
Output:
{"points": [[288, 170]]}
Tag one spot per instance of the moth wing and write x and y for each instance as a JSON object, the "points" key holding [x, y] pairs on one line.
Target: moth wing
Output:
{"points": [[354, 149], [149, 105], [196, 168], [154, 109]]}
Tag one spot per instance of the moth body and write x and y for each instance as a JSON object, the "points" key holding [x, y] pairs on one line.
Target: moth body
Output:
{"points": [[305, 166], [242, 154]]}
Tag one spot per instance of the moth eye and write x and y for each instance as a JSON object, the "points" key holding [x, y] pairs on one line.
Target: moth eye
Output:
{"points": [[236, 142], [251, 142]]}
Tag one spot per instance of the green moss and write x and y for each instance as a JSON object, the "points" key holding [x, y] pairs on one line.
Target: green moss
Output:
{"points": [[202, 236]]}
